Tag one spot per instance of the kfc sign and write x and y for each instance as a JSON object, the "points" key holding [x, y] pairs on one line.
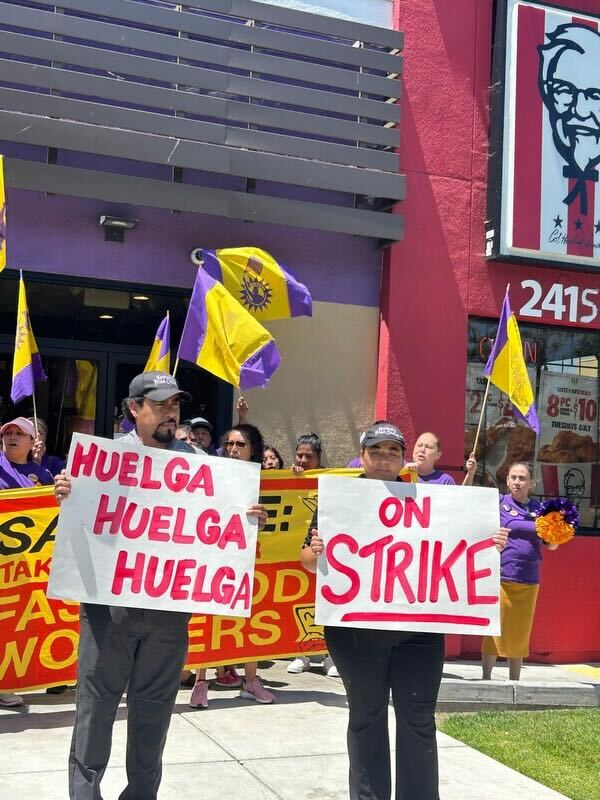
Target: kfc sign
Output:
{"points": [[544, 192]]}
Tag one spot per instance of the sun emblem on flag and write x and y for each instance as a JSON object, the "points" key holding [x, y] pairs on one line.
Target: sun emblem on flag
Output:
{"points": [[22, 330], [255, 292]]}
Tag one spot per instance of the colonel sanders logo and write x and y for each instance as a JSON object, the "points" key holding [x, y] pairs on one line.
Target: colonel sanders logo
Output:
{"points": [[569, 83]]}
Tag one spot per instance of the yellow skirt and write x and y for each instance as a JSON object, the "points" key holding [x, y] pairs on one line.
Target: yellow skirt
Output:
{"points": [[517, 605]]}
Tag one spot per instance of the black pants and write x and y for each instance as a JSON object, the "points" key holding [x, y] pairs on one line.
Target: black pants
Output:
{"points": [[371, 663], [144, 651]]}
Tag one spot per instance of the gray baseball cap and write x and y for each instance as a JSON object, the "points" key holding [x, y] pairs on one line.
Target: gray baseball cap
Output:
{"points": [[157, 386]]}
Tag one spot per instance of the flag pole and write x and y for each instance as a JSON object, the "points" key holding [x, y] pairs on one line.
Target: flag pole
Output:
{"points": [[485, 396], [176, 365], [35, 423], [483, 406]]}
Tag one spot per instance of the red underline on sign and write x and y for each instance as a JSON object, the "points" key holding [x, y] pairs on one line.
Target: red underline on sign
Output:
{"points": [[384, 616]]}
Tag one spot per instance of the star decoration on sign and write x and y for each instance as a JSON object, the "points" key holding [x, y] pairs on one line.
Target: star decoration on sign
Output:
{"points": [[597, 226], [557, 221], [578, 224]]}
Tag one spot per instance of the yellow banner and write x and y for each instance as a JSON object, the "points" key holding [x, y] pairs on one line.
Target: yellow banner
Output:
{"points": [[38, 636]]}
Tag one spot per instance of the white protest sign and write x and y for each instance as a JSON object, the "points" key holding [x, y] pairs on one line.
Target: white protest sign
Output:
{"points": [[402, 556], [152, 528]]}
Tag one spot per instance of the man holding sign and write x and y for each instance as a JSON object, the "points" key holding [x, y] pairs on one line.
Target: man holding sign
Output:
{"points": [[397, 566], [141, 542]]}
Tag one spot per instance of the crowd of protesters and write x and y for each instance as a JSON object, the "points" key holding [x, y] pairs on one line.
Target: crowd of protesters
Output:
{"points": [[153, 412]]}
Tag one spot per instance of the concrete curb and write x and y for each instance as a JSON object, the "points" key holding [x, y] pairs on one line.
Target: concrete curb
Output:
{"points": [[511, 693]]}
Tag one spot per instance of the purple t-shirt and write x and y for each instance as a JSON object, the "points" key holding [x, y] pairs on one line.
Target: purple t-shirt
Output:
{"points": [[437, 476], [22, 476], [520, 559]]}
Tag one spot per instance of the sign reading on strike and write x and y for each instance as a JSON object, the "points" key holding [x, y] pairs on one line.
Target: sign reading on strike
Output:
{"points": [[153, 528], [408, 557]]}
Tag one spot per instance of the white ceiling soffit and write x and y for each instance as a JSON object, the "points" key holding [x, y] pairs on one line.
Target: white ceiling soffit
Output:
{"points": [[371, 12]]}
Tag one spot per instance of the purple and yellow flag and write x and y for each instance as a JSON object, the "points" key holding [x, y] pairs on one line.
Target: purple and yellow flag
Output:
{"points": [[2, 217], [264, 287], [223, 338], [506, 368], [160, 355], [27, 364]]}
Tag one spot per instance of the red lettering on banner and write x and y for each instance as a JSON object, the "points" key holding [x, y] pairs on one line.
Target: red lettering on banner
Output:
{"points": [[103, 515], [176, 481], [128, 529], [129, 463], [147, 481], [397, 571], [202, 480], [177, 579], [233, 533], [83, 461], [160, 523], [182, 579], [423, 571], [198, 593], [474, 575], [392, 510], [351, 574], [210, 534], [104, 472], [152, 588], [123, 572], [179, 537], [223, 592], [442, 570], [376, 549]]}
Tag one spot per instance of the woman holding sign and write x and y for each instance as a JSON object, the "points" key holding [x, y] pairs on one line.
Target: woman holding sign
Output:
{"points": [[243, 442], [373, 662], [520, 574]]}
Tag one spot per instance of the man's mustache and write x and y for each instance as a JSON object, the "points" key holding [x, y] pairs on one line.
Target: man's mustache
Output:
{"points": [[169, 419]]}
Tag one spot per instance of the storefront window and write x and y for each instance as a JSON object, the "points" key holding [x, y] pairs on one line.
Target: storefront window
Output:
{"points": [[563, 368]]}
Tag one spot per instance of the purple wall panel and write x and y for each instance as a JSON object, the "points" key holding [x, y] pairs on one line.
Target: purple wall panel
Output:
{"points": [[62, 235]]}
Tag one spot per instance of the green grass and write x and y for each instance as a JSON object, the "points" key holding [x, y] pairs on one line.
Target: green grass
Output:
{"points": [[560, 749]]}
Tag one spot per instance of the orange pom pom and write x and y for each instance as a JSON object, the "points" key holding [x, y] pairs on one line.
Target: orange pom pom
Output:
{"points": [[553, 529]]}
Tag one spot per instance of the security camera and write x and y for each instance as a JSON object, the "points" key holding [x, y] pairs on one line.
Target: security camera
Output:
{"points": [[197, 256]]}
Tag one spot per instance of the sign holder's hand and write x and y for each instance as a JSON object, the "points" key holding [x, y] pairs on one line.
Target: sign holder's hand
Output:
{"points": [[62, 486]]}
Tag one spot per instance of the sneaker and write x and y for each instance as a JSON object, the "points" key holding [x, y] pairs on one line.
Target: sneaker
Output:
{"points": [[11, 701], [230, 680], [329, 668], [199, 698], [189, 681], [254, 690], [298, 665]]}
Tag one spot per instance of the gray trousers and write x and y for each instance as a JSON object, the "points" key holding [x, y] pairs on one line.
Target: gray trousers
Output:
{"points": [[144, 651]]}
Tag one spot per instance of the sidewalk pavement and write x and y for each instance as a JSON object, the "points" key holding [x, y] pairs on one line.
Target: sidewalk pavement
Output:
{"points": [[239, 750]]}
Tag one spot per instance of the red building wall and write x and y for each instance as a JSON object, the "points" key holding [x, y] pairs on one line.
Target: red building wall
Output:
{"points": [[438, 276]]}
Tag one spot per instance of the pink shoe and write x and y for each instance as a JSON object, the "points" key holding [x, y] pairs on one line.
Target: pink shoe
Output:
{"points": [[254, 690], [199, 698], [230, 680]]}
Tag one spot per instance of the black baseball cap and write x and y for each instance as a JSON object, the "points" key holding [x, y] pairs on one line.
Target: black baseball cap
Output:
{"points": [[382, 432], [157, 386]]}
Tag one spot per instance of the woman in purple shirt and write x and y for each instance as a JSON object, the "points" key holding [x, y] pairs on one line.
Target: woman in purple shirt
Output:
{"points": [[519, 573], [17, 470], [426, 454]]}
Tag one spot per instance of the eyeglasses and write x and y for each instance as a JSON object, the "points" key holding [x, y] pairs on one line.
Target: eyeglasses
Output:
{"points": [[239, 445]]}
